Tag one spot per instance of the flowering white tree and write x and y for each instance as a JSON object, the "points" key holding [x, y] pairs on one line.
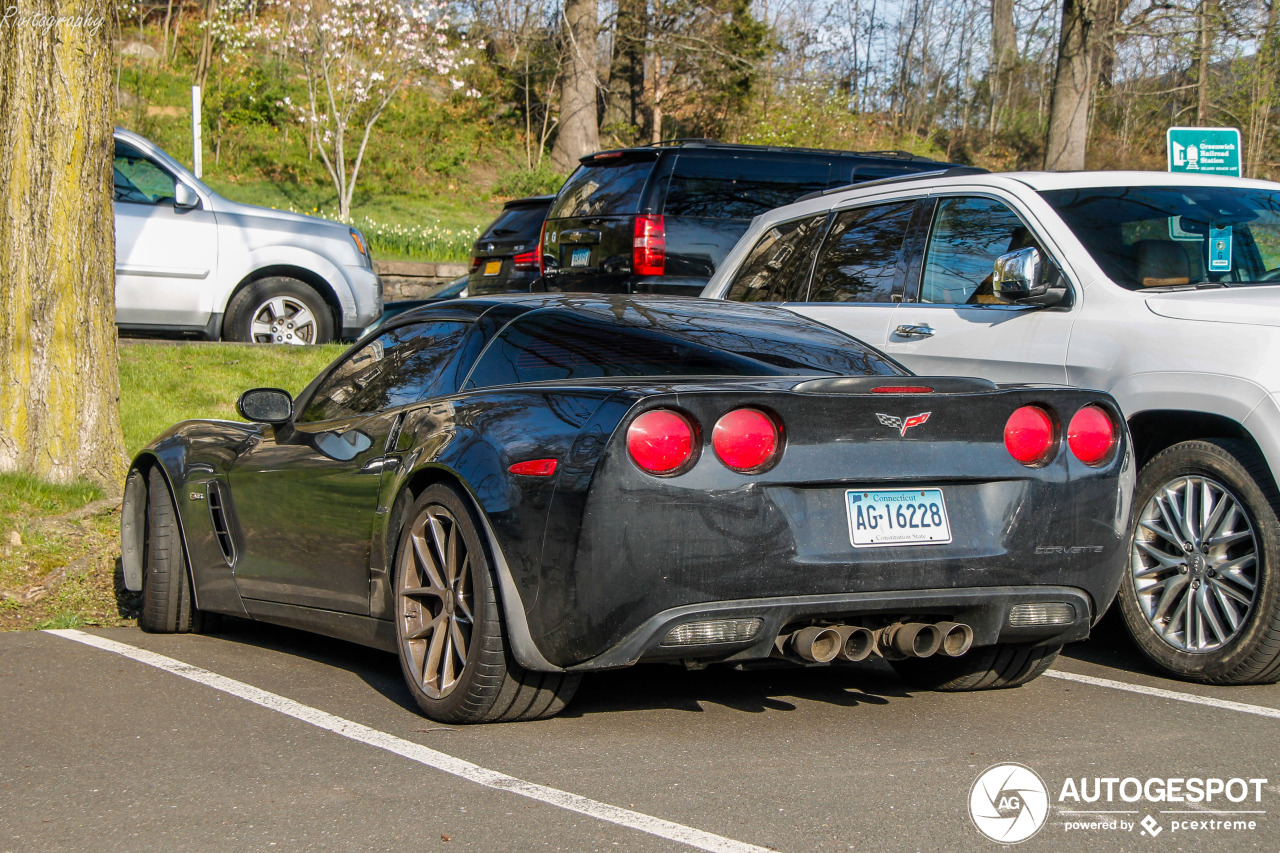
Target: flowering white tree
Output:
{"points": [[356, 55]]}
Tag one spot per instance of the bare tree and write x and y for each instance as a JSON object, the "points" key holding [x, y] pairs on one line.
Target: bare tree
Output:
{"points": [[59, 383], [579, 126]]}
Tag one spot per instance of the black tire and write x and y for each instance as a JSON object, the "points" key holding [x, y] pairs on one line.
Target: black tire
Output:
{"points": [[440, 600], [981, 668], [168, 606], [1210, 645], [296, 300]]}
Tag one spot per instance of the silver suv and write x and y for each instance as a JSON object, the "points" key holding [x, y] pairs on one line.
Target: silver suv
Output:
{"points": [[1158, 288], [189, 261]]}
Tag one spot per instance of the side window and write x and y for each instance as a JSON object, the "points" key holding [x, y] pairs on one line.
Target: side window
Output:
{"points": [[968, 235], [859, 261], [138, 180], [720, 187], [777, 270], [402, 366]]}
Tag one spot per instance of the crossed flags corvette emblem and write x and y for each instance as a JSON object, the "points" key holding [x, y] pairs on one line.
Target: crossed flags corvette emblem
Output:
{"points": [[903, 424]]}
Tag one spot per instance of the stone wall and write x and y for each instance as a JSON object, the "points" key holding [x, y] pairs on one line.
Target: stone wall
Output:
{"points": [[414, 280]]}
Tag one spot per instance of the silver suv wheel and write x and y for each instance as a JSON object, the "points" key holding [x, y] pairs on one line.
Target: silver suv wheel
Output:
{"points": [[1195, 564], [283, 320]]}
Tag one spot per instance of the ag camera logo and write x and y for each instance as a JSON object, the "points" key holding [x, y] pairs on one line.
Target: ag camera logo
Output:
{"points": [[1008, 803]]}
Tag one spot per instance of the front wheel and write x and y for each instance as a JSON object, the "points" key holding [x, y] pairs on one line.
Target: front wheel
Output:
{"points": [[278, 310], [449, 634], [980, 668], [168, 604], [1201, 597]]}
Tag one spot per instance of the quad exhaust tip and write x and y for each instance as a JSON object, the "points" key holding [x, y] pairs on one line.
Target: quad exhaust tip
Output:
{"points": [[825, 643]]}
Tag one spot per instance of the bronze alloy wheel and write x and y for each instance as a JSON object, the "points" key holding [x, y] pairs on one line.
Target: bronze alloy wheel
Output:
{"points": [[436, 601]]}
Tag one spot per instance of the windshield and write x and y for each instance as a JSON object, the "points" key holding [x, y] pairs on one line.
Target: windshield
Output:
{"points": [[1176, 237]]}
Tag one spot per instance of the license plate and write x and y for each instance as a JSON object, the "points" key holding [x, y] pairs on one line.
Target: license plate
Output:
{"points": [[580, 258], [493, 268], [897, 517]]}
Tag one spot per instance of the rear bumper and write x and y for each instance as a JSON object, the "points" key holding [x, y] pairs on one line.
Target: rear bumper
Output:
{"points": [[985, 609]]}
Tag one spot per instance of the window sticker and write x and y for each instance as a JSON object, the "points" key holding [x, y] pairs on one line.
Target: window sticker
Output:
{"points": [[1220, 249]]}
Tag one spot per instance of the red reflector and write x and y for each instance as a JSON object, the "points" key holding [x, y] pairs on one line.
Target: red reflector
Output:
{"points": [[649, 252], [746, 440], [1028, 435], [660, 441], [1092, 435], [526, 260], [534, 468], [542, 249], [475, 264], [902, 389]]}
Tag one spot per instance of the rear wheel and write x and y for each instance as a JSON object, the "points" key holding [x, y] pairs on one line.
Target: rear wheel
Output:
{"points": [[449, 626], [168, 606], [981, 668], [278, 310], [1201, 598]]}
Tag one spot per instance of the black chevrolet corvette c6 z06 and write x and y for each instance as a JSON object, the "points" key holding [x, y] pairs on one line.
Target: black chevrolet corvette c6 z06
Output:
{"points": [[511, 491]]}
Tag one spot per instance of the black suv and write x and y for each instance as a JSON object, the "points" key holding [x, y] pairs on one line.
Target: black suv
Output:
{"points": [[505, 258], [660, 219]]}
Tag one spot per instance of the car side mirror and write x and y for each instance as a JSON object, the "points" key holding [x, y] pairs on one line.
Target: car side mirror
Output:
{"points": [[1024, 277], [184, 198], [266, 406]]}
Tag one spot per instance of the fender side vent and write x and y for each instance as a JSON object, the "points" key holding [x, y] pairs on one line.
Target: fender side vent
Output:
{"points": [[221, 529]]}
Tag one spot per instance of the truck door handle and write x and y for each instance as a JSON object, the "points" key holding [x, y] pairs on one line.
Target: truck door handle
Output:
{"points": [[907, 330]]}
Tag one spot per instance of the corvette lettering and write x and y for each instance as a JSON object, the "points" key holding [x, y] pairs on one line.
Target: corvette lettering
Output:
{"points": [[903, 424]]}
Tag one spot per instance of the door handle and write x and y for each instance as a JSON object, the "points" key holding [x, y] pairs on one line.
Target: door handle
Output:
{"points": [[907, 330]]}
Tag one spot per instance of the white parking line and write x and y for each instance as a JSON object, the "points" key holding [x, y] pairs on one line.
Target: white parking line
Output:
{"points": [[423, 755], [1161, 693]]}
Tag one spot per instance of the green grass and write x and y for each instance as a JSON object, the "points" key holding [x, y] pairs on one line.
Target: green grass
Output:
{"points": [[162, 384], [24, 500]]}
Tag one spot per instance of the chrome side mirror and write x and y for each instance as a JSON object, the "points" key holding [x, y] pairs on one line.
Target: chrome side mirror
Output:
{"points": [[1025, 278], [266, 406], [184, 198]]}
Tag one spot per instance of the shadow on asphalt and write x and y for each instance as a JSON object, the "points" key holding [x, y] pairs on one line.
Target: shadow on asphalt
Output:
{"points": [[668, 687], [642, 687]]}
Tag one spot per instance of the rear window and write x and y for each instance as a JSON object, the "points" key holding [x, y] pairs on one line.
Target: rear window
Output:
{"points": [[603, 188], [554, 345], [741, 187], [516, 222]]}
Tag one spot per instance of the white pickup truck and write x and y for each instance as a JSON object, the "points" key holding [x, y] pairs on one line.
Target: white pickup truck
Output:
{"points": [[1159, 288]]}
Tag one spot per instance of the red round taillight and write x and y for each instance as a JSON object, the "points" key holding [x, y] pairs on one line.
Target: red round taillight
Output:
{"points": [[746, 440], [1029, 435], [661, 441], [1092, 435]]}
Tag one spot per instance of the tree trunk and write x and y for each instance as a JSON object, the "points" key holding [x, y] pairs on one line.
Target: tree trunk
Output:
{"points": [[59, 381], [1073, 80], [1264, 92], [1004, 54], [626, 73], [579, 127], [1204, 54]]}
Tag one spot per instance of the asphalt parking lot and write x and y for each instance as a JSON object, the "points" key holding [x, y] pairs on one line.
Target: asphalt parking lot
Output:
{"points": [[261, 738]]}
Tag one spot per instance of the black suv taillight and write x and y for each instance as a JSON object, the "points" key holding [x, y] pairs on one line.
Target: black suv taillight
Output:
{"points": [[526, 261], [649, 252]]}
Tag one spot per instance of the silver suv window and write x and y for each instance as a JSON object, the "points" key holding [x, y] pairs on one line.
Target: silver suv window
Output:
{"points": [[968, 235], [138, 180]]}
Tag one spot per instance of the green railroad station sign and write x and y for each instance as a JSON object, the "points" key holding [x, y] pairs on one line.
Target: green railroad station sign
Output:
{"points": [[1204, 150]]}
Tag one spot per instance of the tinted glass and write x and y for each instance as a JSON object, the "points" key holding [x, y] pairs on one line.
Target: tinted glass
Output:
{"points": [[648, 340], [777, 270], [1145, 237], [396, 368], [968, 235], [138, 180], [859, 259], [603, 189], [516, 222], [740, 187]]}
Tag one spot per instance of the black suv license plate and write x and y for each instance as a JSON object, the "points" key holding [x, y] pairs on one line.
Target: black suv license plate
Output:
{"points": [[580, 257]]}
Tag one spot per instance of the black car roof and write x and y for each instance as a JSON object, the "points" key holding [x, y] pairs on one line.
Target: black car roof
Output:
{"points": [[710, 144]]}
